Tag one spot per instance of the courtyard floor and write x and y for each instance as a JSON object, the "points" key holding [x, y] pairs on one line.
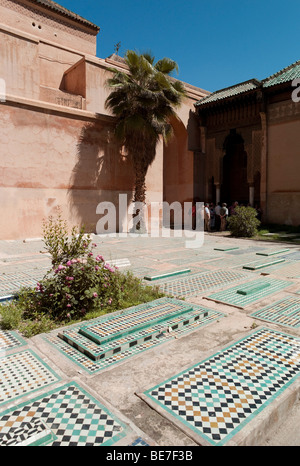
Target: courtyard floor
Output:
{"points": [[216, 362]]}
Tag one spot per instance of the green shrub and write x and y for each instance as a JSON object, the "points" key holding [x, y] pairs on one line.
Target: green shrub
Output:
{"points": [[80, 285], [11, 315], [244, 222], [61, 245]]}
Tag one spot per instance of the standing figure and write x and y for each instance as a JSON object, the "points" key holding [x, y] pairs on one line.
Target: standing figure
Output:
{"points": [[224, 215]]}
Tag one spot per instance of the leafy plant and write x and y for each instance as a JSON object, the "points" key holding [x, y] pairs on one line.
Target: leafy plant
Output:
{"points": [[60, 244], [244, 222], [80, 285], [143, 99]]}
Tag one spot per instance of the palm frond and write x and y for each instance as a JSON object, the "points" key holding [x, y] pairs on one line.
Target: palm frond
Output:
{"points": [[166, 66]]}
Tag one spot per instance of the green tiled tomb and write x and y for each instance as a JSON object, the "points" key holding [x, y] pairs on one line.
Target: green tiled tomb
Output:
{"points": [[216, 398], [265, 286], [114, 338], [284, 312]]}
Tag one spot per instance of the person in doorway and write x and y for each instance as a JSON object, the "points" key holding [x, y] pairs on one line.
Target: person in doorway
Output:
{"points": [[193, 212], [212, 215], [232, 208], [206, 217], [258, 212], [223, 216], [217, 216]]}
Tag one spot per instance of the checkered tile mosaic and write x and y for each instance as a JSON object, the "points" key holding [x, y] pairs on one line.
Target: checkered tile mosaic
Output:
{"points": [[139, 442], [10, 340], [284, 312], [232, 297], [141, 316], [11, 283], [73, 417], [197, 283], [87, 354], [214, 399], [22, 373], [294, 256], [291, 270]]}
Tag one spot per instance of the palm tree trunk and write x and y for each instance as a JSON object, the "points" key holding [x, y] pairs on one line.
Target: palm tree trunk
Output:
{"points": [[140, 168]]}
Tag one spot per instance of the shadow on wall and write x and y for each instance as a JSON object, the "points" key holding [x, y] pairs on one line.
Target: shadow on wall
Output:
{"points": [[102, 172]]}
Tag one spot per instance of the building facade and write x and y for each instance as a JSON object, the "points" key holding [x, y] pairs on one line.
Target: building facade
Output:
{"points": [[250, 137], [57, 146]]}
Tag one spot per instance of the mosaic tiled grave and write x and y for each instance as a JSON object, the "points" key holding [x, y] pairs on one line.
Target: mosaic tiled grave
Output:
{"points": [[226, 249], [294, 256], [166, 275], [21, 374], [284, 312], [197, 283], [114, 338], [11, 282], [242, 295], [66, 416], [272, 253], [213, 400], [291, 270], [262, 264], [9, 340]]}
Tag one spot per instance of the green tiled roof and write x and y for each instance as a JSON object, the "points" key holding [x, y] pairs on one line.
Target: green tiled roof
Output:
{"points": [[287, 74], [63, 11], [230, 91]]}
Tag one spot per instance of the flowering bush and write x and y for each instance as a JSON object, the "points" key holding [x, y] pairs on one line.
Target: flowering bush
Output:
{"points": [[62, 245], [80, 285], [80, 282], [72, 289]]}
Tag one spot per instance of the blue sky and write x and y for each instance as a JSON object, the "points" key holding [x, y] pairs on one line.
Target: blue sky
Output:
{"points": [[216, 43]]}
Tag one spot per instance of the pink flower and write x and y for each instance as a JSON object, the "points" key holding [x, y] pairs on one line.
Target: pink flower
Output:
{"points": [[61, 267], [69, 263], [90, 254], [95, 295], [69, 278], [97, 268], [69, 315], [100, 258], [109, 301], [69, 305]]}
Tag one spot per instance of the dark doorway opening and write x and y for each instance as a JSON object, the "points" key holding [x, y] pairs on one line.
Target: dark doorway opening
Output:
{"points": [[234, 184]]}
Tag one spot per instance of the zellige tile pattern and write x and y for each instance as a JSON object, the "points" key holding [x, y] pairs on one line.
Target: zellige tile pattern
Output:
{"points": [[217, 397]]}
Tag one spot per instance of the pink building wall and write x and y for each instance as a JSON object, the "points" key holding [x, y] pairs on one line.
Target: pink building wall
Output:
{"points": [[56, 145]]}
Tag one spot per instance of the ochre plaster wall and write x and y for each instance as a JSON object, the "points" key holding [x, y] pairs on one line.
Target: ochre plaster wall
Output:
{"points": [[56, 137], [47, 25], [283, 172], [49, 160]]}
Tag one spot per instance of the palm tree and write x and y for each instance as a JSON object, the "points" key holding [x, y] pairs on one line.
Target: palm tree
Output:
{"points": [[143, 100]]}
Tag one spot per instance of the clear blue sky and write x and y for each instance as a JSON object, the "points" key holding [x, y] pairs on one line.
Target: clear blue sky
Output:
{"points": [[216, 43]]}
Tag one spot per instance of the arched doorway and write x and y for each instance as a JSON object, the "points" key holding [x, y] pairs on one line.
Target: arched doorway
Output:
{"points": [[234, 180]]}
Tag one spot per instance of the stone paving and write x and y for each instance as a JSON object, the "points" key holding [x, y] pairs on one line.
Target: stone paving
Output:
{"points": [[223, 372]]}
